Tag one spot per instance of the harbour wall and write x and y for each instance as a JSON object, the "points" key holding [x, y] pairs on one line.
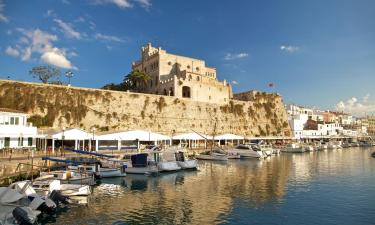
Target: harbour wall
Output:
{"points": [[256, 114]]}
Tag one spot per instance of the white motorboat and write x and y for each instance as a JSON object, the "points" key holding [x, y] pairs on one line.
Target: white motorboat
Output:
{"points": [[233, 156], [247, 151], [19, 202], [46, 185], [294, 148]]}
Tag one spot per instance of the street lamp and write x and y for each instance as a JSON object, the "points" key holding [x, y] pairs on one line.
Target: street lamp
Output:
{"points": [[69, 74]]}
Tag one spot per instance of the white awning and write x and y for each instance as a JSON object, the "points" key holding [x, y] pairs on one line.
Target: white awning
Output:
{"points": [[69, 134], [133, 135], [228, 137], [192, 136]]}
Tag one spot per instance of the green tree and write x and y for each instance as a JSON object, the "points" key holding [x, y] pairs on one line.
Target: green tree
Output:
{"points": [[114, 87], [45, 73], [136, 80]]}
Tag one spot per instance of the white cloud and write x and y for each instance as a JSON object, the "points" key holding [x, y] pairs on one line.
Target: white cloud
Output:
{"points": [[123, 4], [12, 51], [80, 19], [40, 42], [67, 29], [357, 107], [289, 48], [234, 82], [230, 56], [56, 57], [144, 3], [108, 38], [50, 13], [65, 2], [119, 3], [26, 54], [3, 18]]}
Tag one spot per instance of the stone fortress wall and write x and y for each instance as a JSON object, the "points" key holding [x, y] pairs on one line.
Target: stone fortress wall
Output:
{"points": [[62, 106]]}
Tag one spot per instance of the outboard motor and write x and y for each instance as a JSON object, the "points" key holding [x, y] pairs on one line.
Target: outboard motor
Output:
{"points": [[57, 197], [43, 205], [21, 216]]}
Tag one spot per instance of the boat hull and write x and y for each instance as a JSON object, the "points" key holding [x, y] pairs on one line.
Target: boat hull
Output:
{"points": [[168, 166], [141, 170], [246, 153], [212, 157], [108, 172], [188, 164]]}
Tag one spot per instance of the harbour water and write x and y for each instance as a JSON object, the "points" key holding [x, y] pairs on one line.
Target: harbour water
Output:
{"points": [[328, 187]]}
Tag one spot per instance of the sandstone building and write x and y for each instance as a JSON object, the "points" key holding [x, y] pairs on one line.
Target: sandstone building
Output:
{"points": [[181, 76]]}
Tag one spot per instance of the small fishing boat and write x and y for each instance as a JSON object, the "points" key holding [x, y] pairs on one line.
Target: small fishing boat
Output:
{"points": [[309, 148], [184, 162], [294, 148], [215, 155], [140, 165], [167, 162], [332, 145], [71, 177], [345, 145], [98, 171]]}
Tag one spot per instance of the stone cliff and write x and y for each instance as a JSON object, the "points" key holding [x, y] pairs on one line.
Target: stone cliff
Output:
{"points": [[248, 114]]}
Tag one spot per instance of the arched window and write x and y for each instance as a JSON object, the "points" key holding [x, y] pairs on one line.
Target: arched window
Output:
{"points": [[198, 78], [190, 77], [171, 91], [186, 92]]}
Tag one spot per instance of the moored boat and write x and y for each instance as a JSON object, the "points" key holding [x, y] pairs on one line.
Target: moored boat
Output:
{"points": [[46, 185], [139, 165], [247, 151], [215, 155], [294, 148]]}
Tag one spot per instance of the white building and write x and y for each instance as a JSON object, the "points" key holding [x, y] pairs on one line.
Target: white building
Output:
{"points": [[15, 131], [331, 129], [297, 123]]}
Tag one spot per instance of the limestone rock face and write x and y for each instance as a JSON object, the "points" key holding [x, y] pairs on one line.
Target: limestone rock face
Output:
{"points": [[260, 114]]}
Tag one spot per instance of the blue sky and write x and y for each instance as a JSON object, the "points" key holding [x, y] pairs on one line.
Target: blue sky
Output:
{"points": [[317, 53]]}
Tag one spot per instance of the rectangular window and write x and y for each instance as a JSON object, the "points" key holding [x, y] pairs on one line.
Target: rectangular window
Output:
{"points": [[7, 142], [29, 141], [20, 141], [11, 120], [17, 121]]}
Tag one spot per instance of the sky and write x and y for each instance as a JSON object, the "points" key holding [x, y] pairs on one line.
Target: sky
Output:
{"points": [[317, 53]]}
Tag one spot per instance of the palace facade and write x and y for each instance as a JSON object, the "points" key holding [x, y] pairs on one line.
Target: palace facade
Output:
{"points": [[182, 77]]}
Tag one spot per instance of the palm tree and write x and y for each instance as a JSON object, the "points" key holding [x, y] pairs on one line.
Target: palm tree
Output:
{"points": [[137, 80]]}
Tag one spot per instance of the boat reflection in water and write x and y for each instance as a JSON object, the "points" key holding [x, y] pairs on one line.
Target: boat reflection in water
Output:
{"points": [[229, 192]]}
